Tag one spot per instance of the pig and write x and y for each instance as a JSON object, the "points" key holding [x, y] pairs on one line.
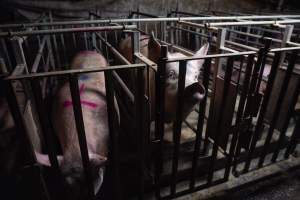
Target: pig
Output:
{"points": [[194, 91], [94, 110]]}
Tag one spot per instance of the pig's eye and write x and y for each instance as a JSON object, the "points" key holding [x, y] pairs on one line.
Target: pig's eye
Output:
{"points": [[172, 74]]}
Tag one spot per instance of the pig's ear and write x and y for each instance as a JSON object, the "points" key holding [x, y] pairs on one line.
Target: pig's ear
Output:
{"points": [[201, 52], [153, 48], [43, 159], [97, 163]]}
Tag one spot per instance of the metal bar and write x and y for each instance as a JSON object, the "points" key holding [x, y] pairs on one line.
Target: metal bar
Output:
{"points": [[202, 108], [116, 53], [19, 122], [247, 23], [281, 96], [286, 37], [189, 31], [178, 123], [139, 112], [37, 59], [65, 30], [294, 140], [179, 49], [160, 115], [242, 101], [291, 110], [263, 109], [212, 56], [45, 123], [74, 71], [211, 18], [227, 80], [114, 148], [140, 106], [81, 134]]}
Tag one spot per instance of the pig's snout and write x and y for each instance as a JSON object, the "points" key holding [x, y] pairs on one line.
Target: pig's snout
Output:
{"points": [[194, 92]]}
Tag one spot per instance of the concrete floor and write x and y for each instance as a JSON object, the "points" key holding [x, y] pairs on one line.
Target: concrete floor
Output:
{"points": [[282, 184]]}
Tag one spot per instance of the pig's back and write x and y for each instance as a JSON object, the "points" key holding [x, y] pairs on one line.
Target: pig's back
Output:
{"points": [[94, 116]]}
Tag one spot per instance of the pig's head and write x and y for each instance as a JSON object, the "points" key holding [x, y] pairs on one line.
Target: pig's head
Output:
{"points": [[194, 91], [73, 174]]}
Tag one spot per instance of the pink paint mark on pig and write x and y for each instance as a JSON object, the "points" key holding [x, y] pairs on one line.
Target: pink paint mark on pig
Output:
{"points": [[69, 103]]}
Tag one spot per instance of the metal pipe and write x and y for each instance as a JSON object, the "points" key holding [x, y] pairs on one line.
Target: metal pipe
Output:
{"points": [[73, 71], [211, 18], [212, 56], [246, 23], [66, 30]]}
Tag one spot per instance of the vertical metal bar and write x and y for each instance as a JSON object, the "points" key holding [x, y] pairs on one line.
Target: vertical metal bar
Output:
{"points": [[178, 123], [294, 140], [45, 123], [81, 133], [220, 44], [227, 80], [57, 55], [114, 150], [286, 38], [160, 115], [139, 113], [62, 39], [238, 123], [202, 108], [74, 39], [19, 122], [94, 44], [281, 96], [290, 112], [139, 97], [242, 102], [259, 125], [85, 40]]}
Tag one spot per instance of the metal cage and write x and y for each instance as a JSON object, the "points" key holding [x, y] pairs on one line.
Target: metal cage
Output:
{"points": [[238, 128]]}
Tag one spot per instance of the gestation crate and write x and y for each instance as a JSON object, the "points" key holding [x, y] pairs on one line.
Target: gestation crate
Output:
{"points": [[247, 120]]}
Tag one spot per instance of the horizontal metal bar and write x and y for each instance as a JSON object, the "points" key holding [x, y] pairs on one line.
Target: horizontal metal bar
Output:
{"points": [[285, 49], [204, 26], [241, 45], [275, 22], [252, 35], [213, 56], [74, 71], [189, 31], [66, 30], [210, 18]]}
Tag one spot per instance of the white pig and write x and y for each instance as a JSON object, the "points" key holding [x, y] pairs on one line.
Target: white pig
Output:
{"points": [[194, 91], [94, 110]]}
